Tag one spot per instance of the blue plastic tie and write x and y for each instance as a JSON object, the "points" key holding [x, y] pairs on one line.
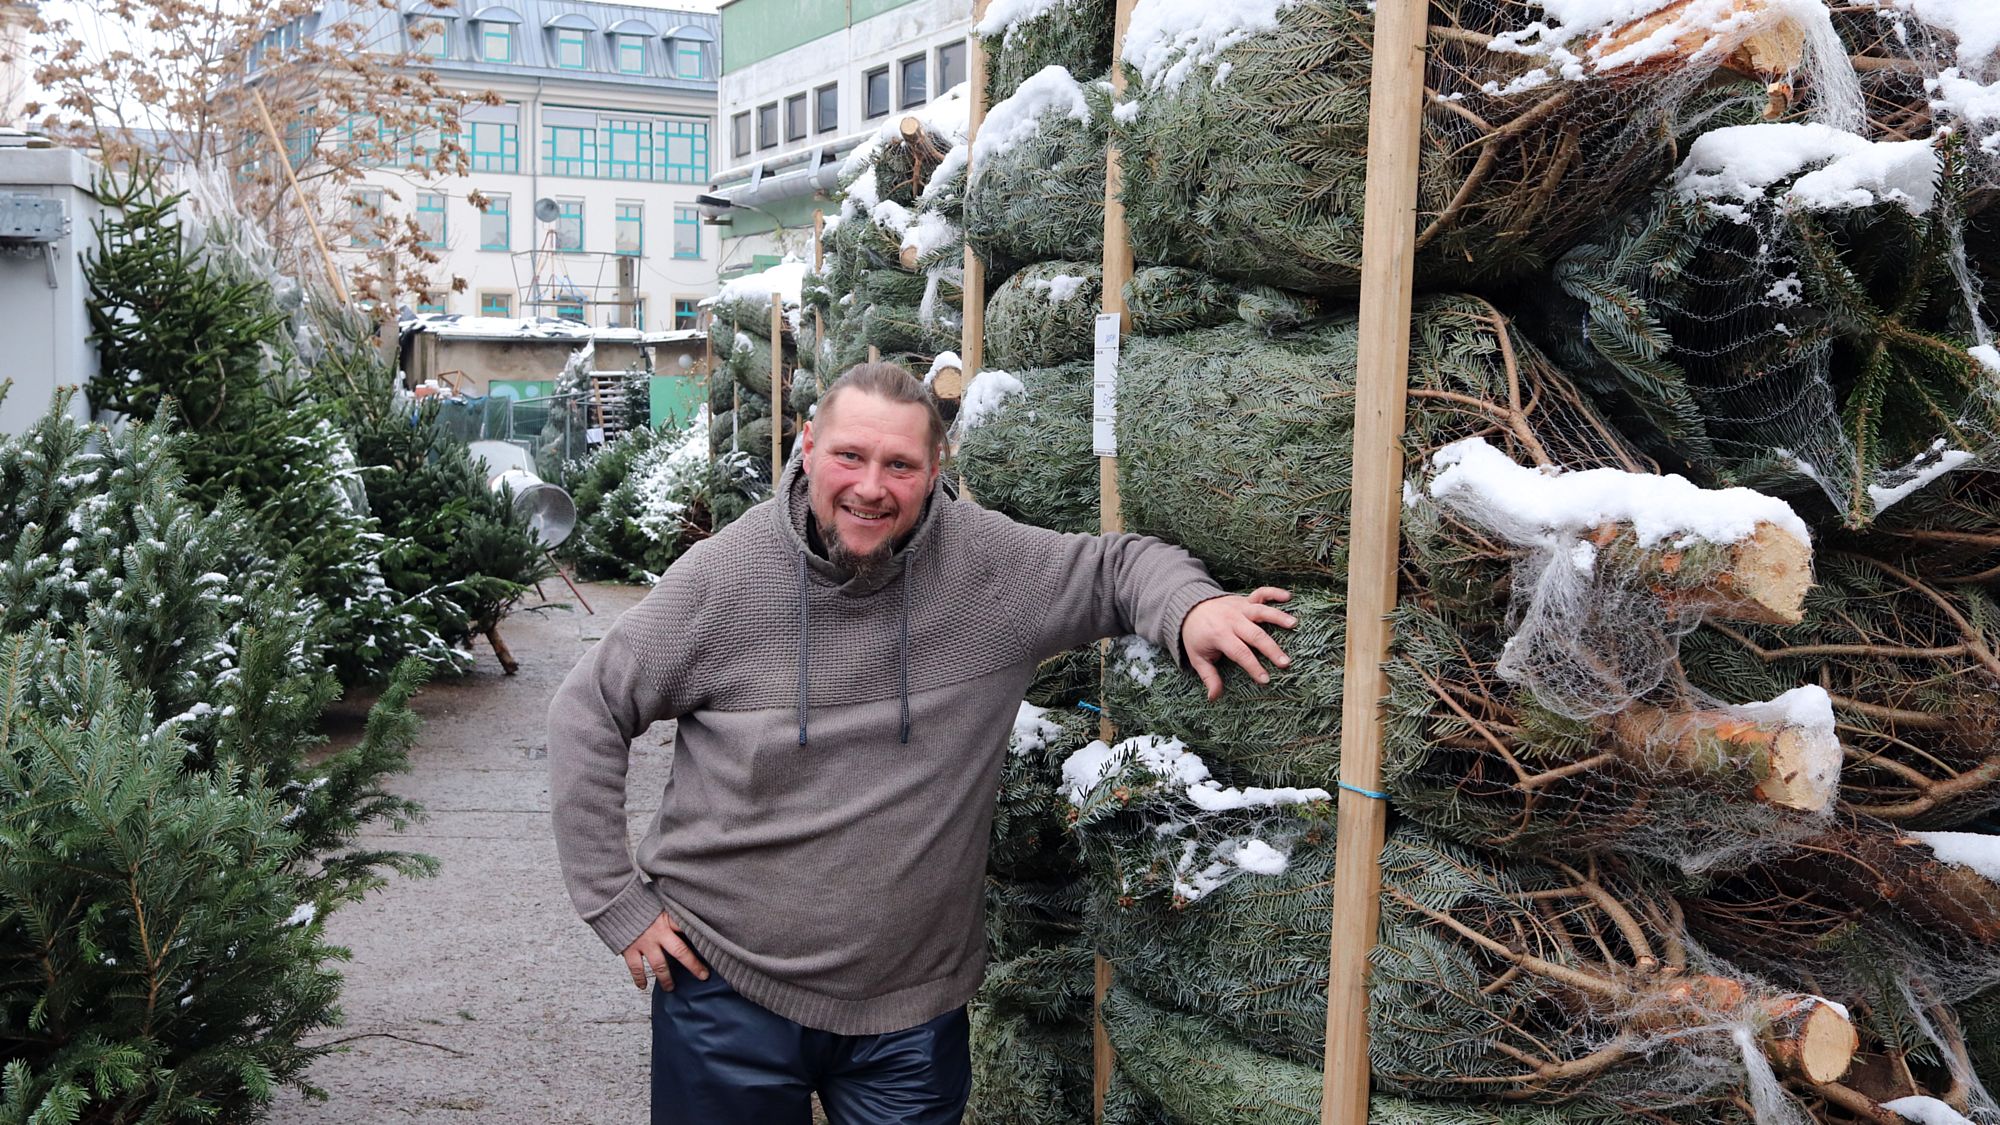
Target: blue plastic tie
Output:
{"points": [[1091, 707], [1363, 792]]}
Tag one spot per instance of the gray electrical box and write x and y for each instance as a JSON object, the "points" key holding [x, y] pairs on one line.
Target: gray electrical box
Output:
{"points": [[31, 218]]}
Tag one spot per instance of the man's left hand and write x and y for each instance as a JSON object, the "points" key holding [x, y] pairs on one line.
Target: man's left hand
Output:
{"points": [[1232, 627]]}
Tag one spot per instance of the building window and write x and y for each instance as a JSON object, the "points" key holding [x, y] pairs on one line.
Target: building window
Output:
{"points": [[570, 49], [687, 232], [495, 146], [432, 303], [631, 54], [496, 42], [826, 108], [687, 313], [795, 117], [739, 127], [430, 220], [687, 151], [430, 39], [569, 225], [496, 304], [570, 310], [364, 213], [569, 151], [688, 60], [912, 85], [493, 225], [631, 229], [876, 95], [767, 126], [950, 65], [639, 314]]}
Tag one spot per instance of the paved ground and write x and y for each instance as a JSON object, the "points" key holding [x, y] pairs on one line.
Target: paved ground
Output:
{"points": [[477, 996]]}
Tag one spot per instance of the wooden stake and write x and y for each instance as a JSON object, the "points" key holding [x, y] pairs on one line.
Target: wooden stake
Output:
{"points": [[312, 220], [777, 387], [1389, 227], [1110, 516], [972, 288], [819, 321], [708, 380]]}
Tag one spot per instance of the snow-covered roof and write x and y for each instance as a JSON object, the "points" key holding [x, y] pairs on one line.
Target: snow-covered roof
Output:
{"points": [[453, 326]]}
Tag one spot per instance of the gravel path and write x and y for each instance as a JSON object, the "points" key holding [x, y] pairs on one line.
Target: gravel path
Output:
{"points": [[478, 996]]}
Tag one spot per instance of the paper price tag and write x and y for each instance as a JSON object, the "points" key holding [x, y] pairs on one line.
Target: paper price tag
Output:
{"points": [[1104, 388], [594, 435]]}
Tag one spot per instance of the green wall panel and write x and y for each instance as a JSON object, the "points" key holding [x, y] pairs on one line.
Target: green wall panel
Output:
{"points": [[674, 398], [755, 30]]}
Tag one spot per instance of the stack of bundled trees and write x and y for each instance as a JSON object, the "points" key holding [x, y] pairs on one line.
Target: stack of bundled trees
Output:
{"points": [[741, 410], [1693, 682]]}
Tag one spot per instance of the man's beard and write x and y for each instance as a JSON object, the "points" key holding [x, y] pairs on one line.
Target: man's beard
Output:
{"points": [[858, 563]]}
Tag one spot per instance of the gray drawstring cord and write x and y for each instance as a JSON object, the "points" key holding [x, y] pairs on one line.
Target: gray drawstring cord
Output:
{"points": [[805, 643], [903, 666]]}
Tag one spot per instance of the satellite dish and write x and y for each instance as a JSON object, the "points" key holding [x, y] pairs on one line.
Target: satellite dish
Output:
{"points": [[546, 210], [550, 513]]}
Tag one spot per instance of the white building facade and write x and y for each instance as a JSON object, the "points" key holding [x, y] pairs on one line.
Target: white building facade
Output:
{"points": [[803, 82], [580, 198]]}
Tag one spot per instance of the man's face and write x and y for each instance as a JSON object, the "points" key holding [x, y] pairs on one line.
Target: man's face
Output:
{"points": [[869, 466]]}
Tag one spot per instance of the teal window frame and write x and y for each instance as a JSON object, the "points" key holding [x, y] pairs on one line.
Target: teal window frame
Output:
{"points": [[433, 303], [364, 212], [687, 314], [496, 206], [569, 150], [629, 151], [693, 169], [501, 33], [690, 61], [488, 307], [631, 54], [437, 46], [494, 146], [571, 311], [687, 223], [569, 211], [572, 44], [429, 204], [631, 219]]}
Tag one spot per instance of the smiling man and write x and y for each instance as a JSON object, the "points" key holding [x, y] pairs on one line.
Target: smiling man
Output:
{"points": [[809, 899]]}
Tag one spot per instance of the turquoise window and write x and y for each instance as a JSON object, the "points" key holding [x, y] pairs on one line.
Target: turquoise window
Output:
{"points": [[430, 39], [493, 224], [631, 54], [569, 225], [569, 151], [688, 61], [631, 232], [430, 220], [496, 147], [496, 304], [573, 312], [629, 149], [364, 212], [686, 151], [496, 42], [687, 232], [570, 49], [432, 303]]}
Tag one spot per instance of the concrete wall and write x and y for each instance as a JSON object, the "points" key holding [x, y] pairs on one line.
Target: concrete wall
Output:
{"points": [[48, 327]]}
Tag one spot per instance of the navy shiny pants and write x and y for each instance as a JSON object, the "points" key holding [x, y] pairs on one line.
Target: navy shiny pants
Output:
{"points": [[719, 1059]]}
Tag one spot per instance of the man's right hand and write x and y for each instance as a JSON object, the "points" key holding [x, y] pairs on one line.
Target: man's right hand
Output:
{"points": [[651, 949]]}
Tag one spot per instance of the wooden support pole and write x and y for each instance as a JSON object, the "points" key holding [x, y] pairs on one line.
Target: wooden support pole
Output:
{"points": [[708, 380], [1110, 516], [777, 388], [1389, 227], [819, 320], [305, 205], [972, 287]]}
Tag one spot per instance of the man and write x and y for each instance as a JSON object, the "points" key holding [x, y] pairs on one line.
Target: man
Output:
{"points": [[845, 662]]}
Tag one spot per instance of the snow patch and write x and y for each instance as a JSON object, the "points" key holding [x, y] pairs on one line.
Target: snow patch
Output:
{"points": [[1168, 39], [1840, 170], [1927, 467], [1473, 476], [1975, 850], [985, 395], [1051, 90], [1003, 16], [1926, 1111], [1033, 730], [787, 278]]}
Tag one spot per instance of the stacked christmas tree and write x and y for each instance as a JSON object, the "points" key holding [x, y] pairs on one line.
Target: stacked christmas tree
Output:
{"points": [[1693, 693]]}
